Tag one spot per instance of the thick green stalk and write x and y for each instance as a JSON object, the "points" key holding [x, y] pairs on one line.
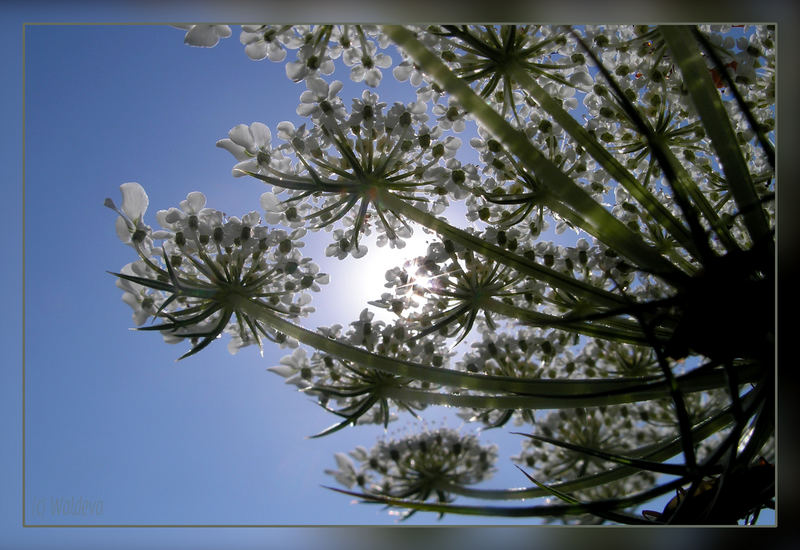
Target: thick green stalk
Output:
{"points": [[601, 154], [688, 383], [618, 330], [600, 222], [525, 266], [442, 377], [548, 510], [599, 392]]}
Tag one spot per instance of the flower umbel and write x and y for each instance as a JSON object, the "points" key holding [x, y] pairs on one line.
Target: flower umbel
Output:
{"points": [[418, 466], [346, 169], [210, 270]]}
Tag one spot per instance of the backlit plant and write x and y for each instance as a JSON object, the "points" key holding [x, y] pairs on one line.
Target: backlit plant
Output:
{"points": [[634, 355]]}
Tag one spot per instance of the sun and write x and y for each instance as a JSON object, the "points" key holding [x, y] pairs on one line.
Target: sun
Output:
{"points": [[354, 282]]}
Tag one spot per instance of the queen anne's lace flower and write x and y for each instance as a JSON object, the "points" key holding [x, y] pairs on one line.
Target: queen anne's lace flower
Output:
{"points": [[211, 272], [249, 144], [268, 41], [363, 395], [523, 302], [366, 64], [322, 104], [420, 466], [342, 178], [309, 62]]}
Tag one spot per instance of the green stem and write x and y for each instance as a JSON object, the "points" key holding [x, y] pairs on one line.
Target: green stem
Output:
{"points": [[688, 383], [615, 234], [525, 266], [619, 390], [649, 202], [617, 330]]}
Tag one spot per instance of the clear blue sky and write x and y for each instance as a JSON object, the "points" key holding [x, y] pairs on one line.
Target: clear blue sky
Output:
{"points": [[110, 416]]}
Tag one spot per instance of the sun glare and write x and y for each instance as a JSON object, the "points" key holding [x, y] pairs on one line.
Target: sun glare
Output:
{"points": [[356, 282]]}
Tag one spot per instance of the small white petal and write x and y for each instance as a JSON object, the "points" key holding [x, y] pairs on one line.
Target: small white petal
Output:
{"points": [[373, 77], [305, 109], [236, 150], [344, 462], [295, 70], [270, 202], [123, 231], [357, 73], [308, 97], [317, 86], [240, 168], [335, 88], [134, 200], [196, 201], [327, 67], [256, 50], [261, 134], [282, 370], [277, 54], [286, 130], [383, 61], [202, 35], [273, 218], [240, 134], [581, 78]]}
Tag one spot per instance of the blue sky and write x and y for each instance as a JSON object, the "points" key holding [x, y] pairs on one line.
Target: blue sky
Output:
{"points": [[110, 416]]}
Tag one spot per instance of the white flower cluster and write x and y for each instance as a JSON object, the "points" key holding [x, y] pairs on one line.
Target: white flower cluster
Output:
{"points": [[337, 169], [205, 258], [356, 391], [642, 187], [418, 466], [318, 46]]}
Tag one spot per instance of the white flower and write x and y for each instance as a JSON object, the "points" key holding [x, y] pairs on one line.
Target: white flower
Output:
{"points": [[129, 225], [177, 219], [407, 71], [366, 66], [308, 64], [206, 36], [263, 41], [367, 111], [346, 474], [342, 246], [451, 117], [296, 368], [250, 145], [320, 102], [136, 296]]}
